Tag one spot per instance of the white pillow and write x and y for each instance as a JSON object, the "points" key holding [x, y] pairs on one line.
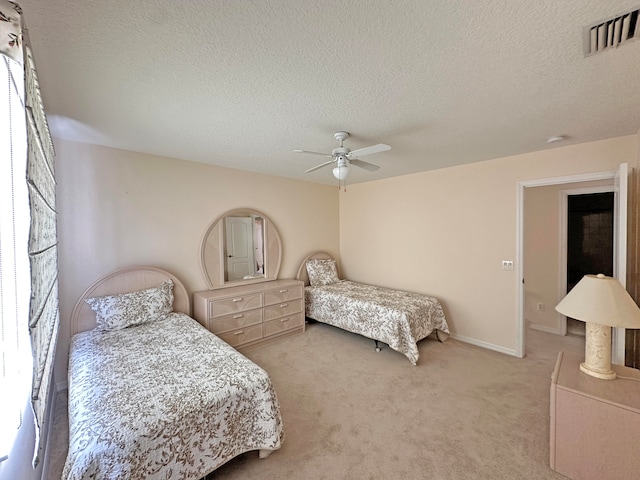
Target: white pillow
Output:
{"points": [[322, 272], [115, 312]]}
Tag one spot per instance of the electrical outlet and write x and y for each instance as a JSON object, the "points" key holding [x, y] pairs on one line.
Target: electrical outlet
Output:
{"points": [[541, 307], [507, 264]]}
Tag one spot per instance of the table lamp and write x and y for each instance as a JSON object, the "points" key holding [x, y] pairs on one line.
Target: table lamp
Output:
{"points": [[601, 302]]}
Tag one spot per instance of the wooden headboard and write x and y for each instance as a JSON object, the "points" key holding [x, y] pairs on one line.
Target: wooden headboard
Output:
{"points": [[126, 280], [302, 270]]}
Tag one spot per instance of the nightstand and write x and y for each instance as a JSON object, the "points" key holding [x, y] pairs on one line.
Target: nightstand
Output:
{"points": [[595, 424]]}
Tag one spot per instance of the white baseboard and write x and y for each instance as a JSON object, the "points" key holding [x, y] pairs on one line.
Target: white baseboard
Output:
{"points": [[544, 328], [480, 343]]}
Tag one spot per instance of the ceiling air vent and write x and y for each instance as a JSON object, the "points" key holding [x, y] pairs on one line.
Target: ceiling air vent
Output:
{"points": [[612, 33]]}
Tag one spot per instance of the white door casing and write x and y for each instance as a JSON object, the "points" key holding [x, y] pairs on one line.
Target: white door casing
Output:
{"points": [[620, 212]]}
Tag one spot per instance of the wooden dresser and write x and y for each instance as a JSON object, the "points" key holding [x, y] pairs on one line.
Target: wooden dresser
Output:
{"points": [[250, 315], [595, 424]]}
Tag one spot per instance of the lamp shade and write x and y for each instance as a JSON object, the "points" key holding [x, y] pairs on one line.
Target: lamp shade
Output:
{"points": [[601, 300]]}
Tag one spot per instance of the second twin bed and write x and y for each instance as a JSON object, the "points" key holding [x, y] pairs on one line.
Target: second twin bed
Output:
{"points": [[396, 317]]}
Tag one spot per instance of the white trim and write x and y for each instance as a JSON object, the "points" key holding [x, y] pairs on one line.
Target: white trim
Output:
{"points": [[563, 230], [582, 177], [547, 329], [520, 269], [620, 253], [542, 182], [480, 343]]}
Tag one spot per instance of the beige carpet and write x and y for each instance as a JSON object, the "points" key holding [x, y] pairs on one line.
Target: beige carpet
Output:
{"points": [[351, 413]]}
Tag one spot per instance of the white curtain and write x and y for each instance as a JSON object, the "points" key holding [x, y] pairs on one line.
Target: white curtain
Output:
{"points": [[43, 315]]}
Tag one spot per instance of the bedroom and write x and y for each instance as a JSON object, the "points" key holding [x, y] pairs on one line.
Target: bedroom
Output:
{"points": [[137, 208]]}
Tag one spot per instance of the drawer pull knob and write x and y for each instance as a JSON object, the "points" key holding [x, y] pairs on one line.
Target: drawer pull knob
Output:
{"points": [[284, 290], [282, 305], [284, 319], [238, 316], [237, 299], [240, 332]]}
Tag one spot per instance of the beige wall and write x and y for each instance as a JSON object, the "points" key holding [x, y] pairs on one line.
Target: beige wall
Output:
{"points": [[542, 254], [119, 208], [445, 232]]}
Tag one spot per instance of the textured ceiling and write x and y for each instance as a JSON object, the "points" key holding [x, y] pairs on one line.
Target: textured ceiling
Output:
{"points": [[242, 84]]}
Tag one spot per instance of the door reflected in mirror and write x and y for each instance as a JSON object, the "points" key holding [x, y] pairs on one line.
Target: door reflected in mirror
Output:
{"points": [[244, 244], [241, 246]]}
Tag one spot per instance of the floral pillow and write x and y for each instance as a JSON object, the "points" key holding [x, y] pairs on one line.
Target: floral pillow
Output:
{"points": [[115, 312], [322, 272]]}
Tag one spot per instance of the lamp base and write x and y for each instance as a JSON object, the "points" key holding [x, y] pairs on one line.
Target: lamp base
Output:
{"points": [[597, 352], [610, 375]]}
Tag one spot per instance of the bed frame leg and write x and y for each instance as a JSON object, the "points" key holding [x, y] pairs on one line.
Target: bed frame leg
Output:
{"points": [[378, 349], [264, 453]]}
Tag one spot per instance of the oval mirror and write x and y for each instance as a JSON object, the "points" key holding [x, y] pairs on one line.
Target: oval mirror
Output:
{"points": [[241, 246]]}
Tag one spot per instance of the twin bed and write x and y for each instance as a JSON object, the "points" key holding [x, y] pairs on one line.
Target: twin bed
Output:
{"points": [[398, 318], [154, 395]]}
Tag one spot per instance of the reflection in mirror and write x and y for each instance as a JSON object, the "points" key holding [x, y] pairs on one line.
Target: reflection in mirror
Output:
{"points": [[244, 252], [241, 246]]}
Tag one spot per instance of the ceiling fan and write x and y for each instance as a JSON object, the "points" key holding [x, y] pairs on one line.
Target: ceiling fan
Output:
{"points": [[342, 157]]}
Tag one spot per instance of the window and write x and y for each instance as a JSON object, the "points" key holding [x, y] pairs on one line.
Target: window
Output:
{"points": [[28, 250], [16, 360]]}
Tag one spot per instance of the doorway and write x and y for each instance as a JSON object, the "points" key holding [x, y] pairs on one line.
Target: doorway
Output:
{"points": [[619, 178], [589, 242]]}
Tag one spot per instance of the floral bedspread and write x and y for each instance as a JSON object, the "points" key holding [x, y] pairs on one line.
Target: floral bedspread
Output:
{"points": [[165, 399], [397, 318]]}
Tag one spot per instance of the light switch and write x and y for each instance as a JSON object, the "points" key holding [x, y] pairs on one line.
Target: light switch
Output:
{"points": [[507, 264]]}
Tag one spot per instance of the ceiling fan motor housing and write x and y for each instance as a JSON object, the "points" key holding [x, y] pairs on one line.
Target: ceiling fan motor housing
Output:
{"points": [[343, 161]]}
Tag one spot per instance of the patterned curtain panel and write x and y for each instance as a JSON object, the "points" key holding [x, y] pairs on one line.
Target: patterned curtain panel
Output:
{"points": [[44, 317]]}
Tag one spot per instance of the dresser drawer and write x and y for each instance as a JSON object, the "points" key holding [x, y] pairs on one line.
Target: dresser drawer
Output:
{"points": [[235, 321], [242, 336], [279, 325], [283, 294], [282, 309], [239, 303]]}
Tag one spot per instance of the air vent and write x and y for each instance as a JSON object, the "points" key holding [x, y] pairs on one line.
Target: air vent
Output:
{"points": [[612, 33]]}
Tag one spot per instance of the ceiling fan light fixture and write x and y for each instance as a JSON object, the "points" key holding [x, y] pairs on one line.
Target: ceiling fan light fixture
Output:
{"points": [[341, 172]]}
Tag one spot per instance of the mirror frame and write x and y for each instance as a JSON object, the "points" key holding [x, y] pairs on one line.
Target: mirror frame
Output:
{"points": [[212, 251]]}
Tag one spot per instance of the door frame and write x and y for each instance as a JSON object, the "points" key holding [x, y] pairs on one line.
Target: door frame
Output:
{"points": [[520, 187], [564, 227]]}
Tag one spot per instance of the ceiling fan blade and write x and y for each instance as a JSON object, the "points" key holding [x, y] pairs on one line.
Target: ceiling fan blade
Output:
{"points": [[362, 164], [319, 166], [381, 147], [314, 153]]}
